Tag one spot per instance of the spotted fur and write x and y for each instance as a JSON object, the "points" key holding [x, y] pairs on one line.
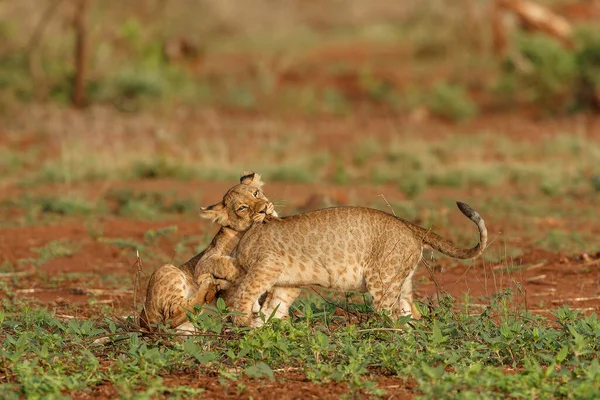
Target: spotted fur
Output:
{"points": [[172, 290], [343, 248]]}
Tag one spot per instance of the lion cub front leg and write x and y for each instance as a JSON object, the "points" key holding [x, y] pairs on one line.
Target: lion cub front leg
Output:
{"points": [[221, 267], [253, 285]]}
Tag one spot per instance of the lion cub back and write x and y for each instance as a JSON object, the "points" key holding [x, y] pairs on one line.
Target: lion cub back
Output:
{"points": [[332, 247]]}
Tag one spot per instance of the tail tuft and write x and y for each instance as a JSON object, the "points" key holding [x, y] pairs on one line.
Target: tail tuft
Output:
{"points": [[448, 248], [468, 211]]}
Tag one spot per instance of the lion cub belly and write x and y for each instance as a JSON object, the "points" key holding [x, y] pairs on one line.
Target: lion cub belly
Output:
{"points": [[329, 275]]}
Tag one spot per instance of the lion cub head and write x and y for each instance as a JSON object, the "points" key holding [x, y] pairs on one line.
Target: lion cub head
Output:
{"points": [[242, 205]]}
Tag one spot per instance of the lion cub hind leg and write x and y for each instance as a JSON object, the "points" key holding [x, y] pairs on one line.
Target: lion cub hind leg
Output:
{"points": [[386, 296], [204, 293], [390, 284], [166, 284], [170, 293], [280, 298], [406, 299]]}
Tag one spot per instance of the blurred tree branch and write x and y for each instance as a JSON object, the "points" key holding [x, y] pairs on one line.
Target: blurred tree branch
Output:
{"points": [[81, 50], [34, 39]]}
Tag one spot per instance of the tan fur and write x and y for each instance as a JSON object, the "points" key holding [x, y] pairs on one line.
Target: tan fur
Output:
{"points": [[171, 290], [344, 248]]}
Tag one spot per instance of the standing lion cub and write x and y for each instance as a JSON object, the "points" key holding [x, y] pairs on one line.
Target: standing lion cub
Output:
{"points": [[343, 248]]}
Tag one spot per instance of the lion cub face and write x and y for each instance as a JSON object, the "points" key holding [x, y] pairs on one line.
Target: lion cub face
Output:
{"points": [[242, 205]]}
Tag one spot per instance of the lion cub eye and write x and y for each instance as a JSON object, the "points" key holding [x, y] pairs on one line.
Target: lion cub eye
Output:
{"points": [[242, 208], [255, 194]]}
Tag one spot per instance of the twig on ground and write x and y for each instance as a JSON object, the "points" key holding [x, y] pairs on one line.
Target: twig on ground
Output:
{"points": [[550, 310], [36, 290], [594, 262], [4, 275], [537, 279], [289, 369], [547, 292], [381, 329], [575, 299], [63, 316], [100, 292], [99, 339], [536, 266]]}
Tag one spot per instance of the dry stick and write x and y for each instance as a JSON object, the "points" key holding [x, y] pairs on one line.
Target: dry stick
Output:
{"points": [[159, 334], [105, 292], [537, 278], [549, 310], [37, 290], [575, 299], [438, 288], [16, 274], [138, 273], [587, 264], [388, 204], [381, 329], [536, 266], [80, 54], [336, 305]]}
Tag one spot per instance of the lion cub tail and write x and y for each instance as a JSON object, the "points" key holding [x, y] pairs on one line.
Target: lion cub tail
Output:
{"points": [[448, 248]]}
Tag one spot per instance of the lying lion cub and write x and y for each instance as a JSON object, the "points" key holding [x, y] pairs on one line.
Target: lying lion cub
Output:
{"points": [[171, 290], [343, 248]]}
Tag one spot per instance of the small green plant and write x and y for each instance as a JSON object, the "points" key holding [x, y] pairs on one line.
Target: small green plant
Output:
{"points": [[549, 72], [53, 249], [36, 206], [413, 184], [334, 101], [450, 101], [560, 240], [364, 150], [160, 168], [341, 175], [595, 182], [147, 205], [238, 95], [378, 89], [558, 79], [291, 174], [149, 246]]}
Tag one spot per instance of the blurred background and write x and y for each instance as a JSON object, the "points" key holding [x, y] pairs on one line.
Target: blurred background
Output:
{"points": [[118, 119]]}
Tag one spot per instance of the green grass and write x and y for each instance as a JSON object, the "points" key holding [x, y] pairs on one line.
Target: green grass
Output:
{"points": [[140, 205], [148, 248], [53, 249], [450, 102], [558, 240], [563, 165], [148, 204], [451, 353]]}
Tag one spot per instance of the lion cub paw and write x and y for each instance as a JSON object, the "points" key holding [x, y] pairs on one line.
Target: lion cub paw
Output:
{"points": [[207, 286]]}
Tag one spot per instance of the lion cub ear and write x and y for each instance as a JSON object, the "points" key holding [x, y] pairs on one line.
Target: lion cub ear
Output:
{"points": [[216, 213], [251, 178]]}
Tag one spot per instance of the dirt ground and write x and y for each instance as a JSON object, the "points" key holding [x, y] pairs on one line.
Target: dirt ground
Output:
{"points": [[541, 280]]}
